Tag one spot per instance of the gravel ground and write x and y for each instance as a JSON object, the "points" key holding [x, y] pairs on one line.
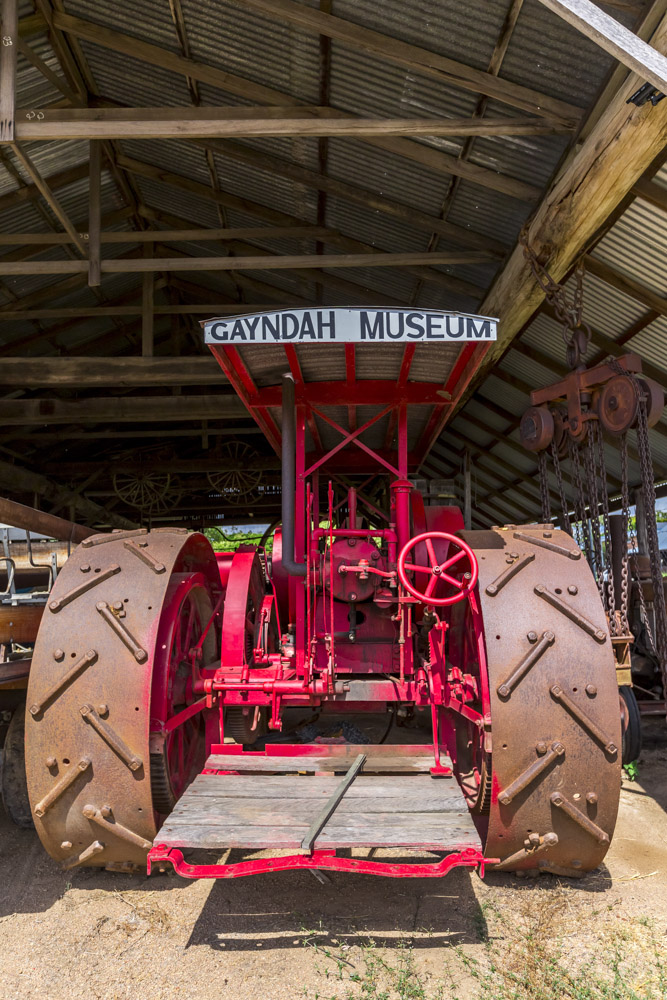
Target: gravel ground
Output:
{"points": [[95, 934]]}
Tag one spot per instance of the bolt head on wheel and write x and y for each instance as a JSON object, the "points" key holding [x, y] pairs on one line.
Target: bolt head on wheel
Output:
{"points": [[462, 558]]}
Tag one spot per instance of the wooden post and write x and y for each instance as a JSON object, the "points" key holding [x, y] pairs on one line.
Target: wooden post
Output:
{"points": [[611, 36], [94, 213], [9, 31], [147, 304]]}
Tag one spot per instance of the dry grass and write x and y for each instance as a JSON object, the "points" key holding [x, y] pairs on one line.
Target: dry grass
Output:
{"points": [[539, 944]]}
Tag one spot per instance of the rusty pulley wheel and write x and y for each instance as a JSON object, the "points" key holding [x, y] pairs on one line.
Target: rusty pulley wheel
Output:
{"points": [[555, 726], [537, 428], [108, 676]]}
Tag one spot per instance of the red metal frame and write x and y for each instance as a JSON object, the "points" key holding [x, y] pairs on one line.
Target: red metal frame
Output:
{"points": [[326, 860], [356, 627]]}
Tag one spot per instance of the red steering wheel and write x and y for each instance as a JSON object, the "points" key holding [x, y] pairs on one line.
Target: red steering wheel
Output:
{"points": [[437, 571]]}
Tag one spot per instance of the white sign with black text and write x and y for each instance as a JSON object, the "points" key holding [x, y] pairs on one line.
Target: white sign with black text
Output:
{"points": [[349, 326]]}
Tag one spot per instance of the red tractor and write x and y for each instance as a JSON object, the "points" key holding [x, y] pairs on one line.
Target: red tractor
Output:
{"points": [[161, 674]]}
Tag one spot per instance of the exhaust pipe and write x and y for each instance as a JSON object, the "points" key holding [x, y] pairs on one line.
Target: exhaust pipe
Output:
{"points": [[288, 489]]}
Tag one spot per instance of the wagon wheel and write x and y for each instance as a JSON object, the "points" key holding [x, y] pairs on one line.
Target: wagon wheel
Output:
{"points": [[104, 753], [553, 698], [152, 492], [236, 481]]}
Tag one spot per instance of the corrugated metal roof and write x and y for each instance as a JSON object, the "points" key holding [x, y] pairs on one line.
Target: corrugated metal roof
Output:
{"points": [[544, 54]]}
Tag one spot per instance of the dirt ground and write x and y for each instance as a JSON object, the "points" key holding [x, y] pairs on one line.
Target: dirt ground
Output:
{"points": [[100, 935]]}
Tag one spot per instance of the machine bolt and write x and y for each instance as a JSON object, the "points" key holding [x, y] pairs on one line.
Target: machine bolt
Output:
{"points": [[142, 545], [352, 542], [541, 747], [534, 839], [591, 690], [532, 637], [117, 605], [375, 554], [102, 709], [572, 589], [547, 534], [514, 555], [106, 811], [51, 761], [550, 839], [58, 655], [66, 845], [353, 596], [591, 798], [85, 568]]}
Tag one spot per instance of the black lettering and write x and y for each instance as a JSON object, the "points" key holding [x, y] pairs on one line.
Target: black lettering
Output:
{"points": [[219, 331], [432, 324], [401, 325], [414, 325], [484, 331], [268, 327], [238, 333], [252, 326], [307, 328], [461, 328], [289, 334], [331, 324], [378, 327]]}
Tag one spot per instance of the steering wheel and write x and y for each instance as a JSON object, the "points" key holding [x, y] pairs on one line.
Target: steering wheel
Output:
{"points": [[437, 571]]}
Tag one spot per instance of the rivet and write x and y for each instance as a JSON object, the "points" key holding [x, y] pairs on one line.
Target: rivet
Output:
{"points": [[541, 747], [591, 690], [85, 568], [534, 839], [58, 655], [532, 637], [591, 797], [102, 709], [66, 845], [353, 596], [117, 605], [51, 761], [572, 589], [106, 811], [576, 863]]}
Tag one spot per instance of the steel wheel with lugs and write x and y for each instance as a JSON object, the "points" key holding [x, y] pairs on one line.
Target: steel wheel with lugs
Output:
{"points": [[555, 726], [110, 671]]}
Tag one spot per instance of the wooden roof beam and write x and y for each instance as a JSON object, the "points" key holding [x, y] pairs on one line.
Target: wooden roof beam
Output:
{"points": [[241, 87], [236, 123], [621, 147], [614, 38], [413, 57]]}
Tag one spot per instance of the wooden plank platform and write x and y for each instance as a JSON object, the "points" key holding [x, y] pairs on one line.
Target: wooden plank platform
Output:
{"points": [[262, 811], [329, 758]]}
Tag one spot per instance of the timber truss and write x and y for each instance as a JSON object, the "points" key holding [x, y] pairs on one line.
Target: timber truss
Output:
{"points": [[236, 196]]}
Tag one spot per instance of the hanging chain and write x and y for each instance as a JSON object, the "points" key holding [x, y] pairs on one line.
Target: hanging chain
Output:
{"points": [[594, 516], [607, 553], [625, 575], [648, 493], [576, 333], [561, 488], [544, 487], [579, 504]]}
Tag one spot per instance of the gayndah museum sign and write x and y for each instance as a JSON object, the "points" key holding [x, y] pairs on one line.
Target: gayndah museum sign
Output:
{"points": [[349, 326]]}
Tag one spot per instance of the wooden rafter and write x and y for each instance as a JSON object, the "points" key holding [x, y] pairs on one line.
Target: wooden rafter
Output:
{"points": [[623, 144], [9, 28], [234, 123], [614, 38]]}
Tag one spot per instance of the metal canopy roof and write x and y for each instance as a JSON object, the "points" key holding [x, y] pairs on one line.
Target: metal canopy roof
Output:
{"points": [[382, 194]]}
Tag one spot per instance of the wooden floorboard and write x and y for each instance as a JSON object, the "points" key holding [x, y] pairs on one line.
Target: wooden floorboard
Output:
{"points": [[275, 811]]}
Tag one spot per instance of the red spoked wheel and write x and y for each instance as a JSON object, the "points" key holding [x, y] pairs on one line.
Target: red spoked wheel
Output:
{"points": [[186, 638], [463, 558]]}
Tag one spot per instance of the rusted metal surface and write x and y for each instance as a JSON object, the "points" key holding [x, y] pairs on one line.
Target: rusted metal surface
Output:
{"points": [[556, 762], [89, 731]]}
